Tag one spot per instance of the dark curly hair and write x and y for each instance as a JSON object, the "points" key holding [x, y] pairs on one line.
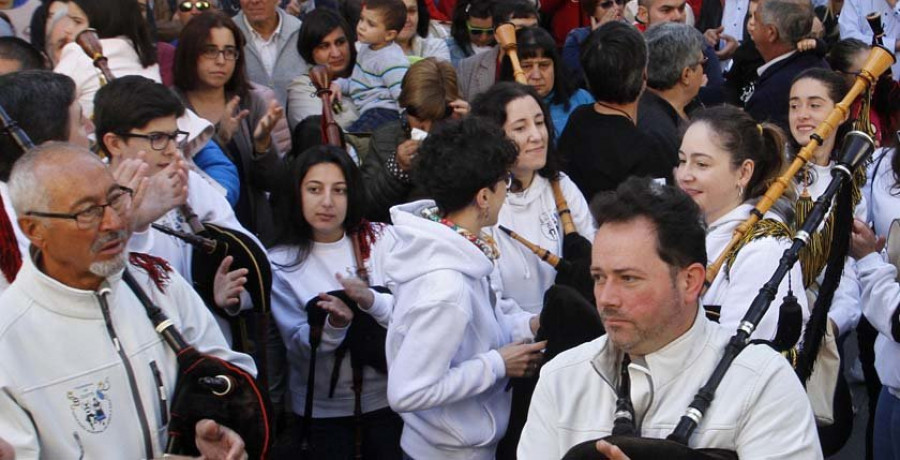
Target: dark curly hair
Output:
{"points": [[492, 103], [459, 158], [292, 229]]}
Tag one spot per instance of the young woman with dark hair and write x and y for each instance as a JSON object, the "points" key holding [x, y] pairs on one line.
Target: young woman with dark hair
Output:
{"points": [[450, 345], [321, 204], [126, 42], [530, 209], [472, 29], [210, 78], [726, 162], [547, 74], [325, 39]]}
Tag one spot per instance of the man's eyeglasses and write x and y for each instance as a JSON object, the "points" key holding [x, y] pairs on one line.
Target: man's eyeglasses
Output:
{"points": [[119, 200], [229, 53], [160, 141], [186, 7], [479, 30], [609, 3]]}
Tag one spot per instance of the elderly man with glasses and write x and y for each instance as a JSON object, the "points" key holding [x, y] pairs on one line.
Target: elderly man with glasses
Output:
{"points": [[84, 373]]}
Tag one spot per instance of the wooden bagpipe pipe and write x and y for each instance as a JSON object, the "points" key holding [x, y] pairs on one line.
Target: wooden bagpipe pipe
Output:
{"points": [[365, 338], [857, 146], [211, 244]]}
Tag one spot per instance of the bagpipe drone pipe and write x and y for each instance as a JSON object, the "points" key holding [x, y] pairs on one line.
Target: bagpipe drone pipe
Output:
{"points": [[856, 148]]}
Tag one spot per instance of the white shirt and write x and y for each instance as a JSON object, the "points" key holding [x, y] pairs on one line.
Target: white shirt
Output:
{"points": [[852, 24], [268, 48]]}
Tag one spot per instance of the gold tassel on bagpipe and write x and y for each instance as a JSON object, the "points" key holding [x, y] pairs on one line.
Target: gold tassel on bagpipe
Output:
{"points": [[764, 228], [814, 255]]}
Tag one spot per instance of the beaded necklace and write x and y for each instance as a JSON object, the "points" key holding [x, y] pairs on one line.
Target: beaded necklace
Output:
{"points": [[484, 242]]}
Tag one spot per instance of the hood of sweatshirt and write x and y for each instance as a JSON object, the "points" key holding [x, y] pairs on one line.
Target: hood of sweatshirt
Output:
{"points": [[423, 246]]}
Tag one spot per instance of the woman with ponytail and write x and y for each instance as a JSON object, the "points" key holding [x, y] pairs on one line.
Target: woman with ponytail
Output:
{"points": [[726, 163]]}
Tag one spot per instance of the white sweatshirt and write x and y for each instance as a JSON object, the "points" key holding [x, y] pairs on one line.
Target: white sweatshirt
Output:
{"points": [[735, 286], [533, 215], [446, 377], [880, 299], [292, 288]]}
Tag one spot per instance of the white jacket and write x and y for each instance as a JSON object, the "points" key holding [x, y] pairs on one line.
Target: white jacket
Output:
{"points": [[292, 288], [533, 215], [880, 300], [64, 389], [760, 409], [446, 377], [735, 286]]}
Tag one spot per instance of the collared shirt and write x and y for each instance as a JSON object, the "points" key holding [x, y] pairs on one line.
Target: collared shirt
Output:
{"points": [[733, 18], [267, 48], [769, 64]]}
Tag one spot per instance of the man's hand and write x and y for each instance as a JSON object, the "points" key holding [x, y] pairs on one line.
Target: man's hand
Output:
{"points": [[231, 119], [228, 286], [712, 35], [262, 135], [522, 359], [406, 151], [218, 442], [357, 290], [727, 51], [132, 173], [863, 240], [806, 44], [460, 109], [610, 451], [339, 314], [293, 8], [165, 191], [609, 15]]}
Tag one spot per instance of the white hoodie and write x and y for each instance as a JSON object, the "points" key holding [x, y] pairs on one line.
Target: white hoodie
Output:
{"points": [[532, 213], [446, 377]]}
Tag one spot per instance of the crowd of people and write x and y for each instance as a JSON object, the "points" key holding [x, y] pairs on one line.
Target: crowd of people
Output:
{"points": [[383, 234]]}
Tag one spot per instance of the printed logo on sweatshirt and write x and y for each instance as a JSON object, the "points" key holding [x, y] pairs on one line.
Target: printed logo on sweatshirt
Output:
{"points": [[550, 225], [91, 406]]}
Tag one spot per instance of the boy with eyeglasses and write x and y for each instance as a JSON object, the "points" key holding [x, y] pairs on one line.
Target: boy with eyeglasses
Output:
{"points": [[374, 85], [136, 118]]}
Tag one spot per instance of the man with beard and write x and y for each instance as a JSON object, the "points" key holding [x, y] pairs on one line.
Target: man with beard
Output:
{"points": [[648, 263], [72, 331]]}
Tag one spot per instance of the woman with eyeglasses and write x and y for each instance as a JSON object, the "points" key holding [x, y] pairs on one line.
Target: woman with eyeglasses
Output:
{"points": [[599, 12], [428, 96], [325, 38], [419, 38], [472, 29], [126, 42], [546, 73], [322, 241], [530, 209], [210, 79]]}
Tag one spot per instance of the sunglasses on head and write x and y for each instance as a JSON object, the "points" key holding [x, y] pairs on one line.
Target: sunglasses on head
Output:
{"points": [[609, 3], [479, 30], [188, 6]]}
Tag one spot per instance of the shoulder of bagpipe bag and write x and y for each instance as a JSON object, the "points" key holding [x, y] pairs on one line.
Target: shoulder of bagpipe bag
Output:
{"points": [[764, 228]]}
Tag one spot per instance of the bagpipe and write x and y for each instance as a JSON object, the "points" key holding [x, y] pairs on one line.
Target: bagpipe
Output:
{"points": [[211, 244], [365, 337], [208, 387], [856, 148]]}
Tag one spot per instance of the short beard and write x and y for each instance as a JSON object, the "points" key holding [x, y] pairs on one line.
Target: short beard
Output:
{"points": [[107, 268]]}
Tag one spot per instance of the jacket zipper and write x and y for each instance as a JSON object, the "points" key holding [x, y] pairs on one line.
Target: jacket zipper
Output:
{"points": [[161, 389], [132, 381]]}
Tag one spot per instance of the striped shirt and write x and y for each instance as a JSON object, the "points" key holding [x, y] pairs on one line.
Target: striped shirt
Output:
{"points": [[376, 78]]}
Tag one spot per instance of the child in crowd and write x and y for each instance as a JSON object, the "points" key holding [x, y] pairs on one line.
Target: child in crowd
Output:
{"points": [[381, 64]]}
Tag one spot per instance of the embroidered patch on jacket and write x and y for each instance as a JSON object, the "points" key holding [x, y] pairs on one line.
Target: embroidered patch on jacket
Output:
{"points": [[550, 225], [91, 406]]}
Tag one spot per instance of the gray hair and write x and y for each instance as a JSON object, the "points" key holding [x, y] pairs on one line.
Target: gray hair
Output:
{"points": [[792, 18], [26, 183], [672, 47]]}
